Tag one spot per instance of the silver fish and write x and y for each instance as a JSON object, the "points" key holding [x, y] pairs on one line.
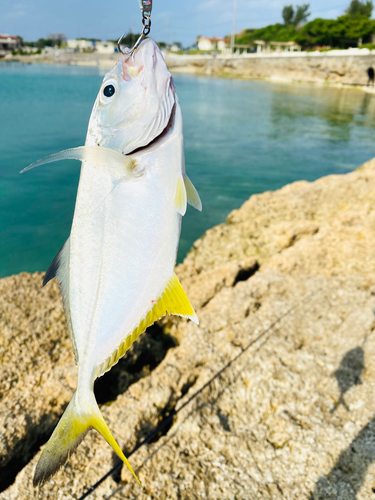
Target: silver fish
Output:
{"points": [[116, 270]]}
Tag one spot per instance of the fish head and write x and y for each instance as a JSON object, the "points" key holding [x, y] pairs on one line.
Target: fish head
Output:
{"points": [[135, 101]]}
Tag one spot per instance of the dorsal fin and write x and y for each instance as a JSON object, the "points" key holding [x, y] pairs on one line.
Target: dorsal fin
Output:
{"points": [[60, 268], [172, 300]]}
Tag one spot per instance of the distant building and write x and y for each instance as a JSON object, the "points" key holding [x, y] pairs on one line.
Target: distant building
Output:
{"points": [[239, 48], [263, 46], [80, 44], [9, 43], [91, 45], [105, 47], [208, 44]]}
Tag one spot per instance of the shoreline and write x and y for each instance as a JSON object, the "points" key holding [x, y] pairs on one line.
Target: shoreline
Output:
{"points": [[242, 68], [282, 80]]}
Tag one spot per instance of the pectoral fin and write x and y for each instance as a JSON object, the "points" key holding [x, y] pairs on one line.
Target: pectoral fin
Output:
{"points": [[172, 300], [180, 196], [192, 194], [104, 158]]}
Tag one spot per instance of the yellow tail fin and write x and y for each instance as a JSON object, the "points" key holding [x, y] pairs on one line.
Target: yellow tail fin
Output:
{"points": [[70, 431]]}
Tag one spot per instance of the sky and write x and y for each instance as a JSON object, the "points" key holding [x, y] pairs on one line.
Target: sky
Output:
{"points": [[172, 21]]}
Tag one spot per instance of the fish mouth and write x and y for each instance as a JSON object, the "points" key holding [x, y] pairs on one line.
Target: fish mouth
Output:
{"points": [[159, 137]]}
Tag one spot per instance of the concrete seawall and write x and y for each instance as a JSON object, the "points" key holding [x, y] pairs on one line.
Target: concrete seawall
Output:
{"points": [[306, 66]]}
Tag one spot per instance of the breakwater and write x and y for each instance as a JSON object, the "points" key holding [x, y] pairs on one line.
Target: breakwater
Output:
{"points": [[347, 67]]}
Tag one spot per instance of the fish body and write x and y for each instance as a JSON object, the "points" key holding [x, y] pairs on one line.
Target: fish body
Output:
{"points": [[116, 269]]}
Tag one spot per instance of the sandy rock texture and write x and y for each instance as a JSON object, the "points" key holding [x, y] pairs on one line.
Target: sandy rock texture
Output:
{"points": [[38, 375], [286, 285], [311, 67]]}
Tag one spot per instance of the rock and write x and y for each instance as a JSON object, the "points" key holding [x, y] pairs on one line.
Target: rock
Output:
{"points": [[38, 372], [38, 375], [317, 67], [288, 285]]}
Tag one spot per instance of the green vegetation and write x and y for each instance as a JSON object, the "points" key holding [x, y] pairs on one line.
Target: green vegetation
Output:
{"points": [[42, 43], [274, 32], [295, 17], [358, 9], [342, 33], [89, 39], [52, 40], [21, 52], [128, 40], [347, 31]]}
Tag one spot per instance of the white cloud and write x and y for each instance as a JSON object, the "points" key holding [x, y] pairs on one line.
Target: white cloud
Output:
{"points": [[17, 12]]}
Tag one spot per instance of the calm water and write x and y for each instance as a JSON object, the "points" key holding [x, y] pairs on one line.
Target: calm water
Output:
{"points": [[241, 138]]}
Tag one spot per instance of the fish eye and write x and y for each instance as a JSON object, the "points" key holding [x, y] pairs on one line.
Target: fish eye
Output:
{"points": [[109, 90]]}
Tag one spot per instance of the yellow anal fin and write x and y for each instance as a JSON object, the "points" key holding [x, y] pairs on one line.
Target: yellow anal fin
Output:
{"points": [[180, 196], [193, 197], [172, 300]]}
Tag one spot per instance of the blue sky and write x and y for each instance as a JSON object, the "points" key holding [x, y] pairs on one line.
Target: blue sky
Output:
{"points": [[33, 19]]}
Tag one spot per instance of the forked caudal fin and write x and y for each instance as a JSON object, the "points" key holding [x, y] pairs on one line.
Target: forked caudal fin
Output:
{"points": [[72, 428]]}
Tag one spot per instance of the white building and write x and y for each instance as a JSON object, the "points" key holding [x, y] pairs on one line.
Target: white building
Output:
{"points": [[105, 47], [263, 46], [9, 43], [208, 44], [80, 44], [92, 45]]}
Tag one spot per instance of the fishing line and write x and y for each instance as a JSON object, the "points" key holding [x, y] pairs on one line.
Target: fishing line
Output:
{"points": [[170, 417]]}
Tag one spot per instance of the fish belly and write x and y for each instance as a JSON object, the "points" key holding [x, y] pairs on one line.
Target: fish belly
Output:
{"points": [[123, 247]]}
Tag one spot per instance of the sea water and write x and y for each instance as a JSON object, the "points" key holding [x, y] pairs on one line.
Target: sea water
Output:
{"points": [[241, 138]]}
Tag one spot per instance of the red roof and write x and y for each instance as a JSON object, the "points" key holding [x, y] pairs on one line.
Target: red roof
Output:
{"points": [[213, 39], [6, 37]]}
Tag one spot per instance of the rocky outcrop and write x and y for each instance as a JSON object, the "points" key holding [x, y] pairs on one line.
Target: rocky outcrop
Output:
{"points": [[287, 283]]}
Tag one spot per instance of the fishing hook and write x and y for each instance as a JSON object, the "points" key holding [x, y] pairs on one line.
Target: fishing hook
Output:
{"points": [[146, 7]]}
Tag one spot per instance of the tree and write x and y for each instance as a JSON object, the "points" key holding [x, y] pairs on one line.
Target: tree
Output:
{"points": [[274, 32], [128, 40], [56, 38], [342, 32], [358, 8], [301, 14], [296, 17], [288, 14]]}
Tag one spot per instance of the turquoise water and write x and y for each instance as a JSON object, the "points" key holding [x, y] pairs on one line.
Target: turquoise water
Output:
{"points": [[241, 138]]}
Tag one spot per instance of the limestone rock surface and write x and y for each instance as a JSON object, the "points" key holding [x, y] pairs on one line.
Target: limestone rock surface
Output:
{"points": [[317, 67], [287, 283]]}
